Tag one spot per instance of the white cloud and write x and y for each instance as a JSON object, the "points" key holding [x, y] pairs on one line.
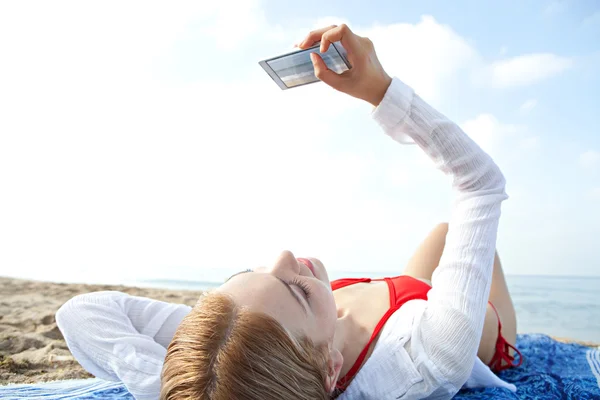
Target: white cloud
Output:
{"points": [[589, 159], [121, 164], [528, 106], [429, 55], [502, 141], [527, 69], [108, 150], [595, 193], [426, 55], [488, 132]]}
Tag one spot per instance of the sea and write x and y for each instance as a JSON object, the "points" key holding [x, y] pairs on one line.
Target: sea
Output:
{"points": [[560, 306]]}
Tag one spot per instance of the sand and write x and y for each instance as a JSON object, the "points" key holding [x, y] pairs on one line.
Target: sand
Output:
{"points": [[32, 349]]}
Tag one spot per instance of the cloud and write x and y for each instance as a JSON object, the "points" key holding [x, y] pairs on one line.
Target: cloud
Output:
{"points": [[426, 55], [142, 140], [528, 106], [527, 69], [429, 55], [589, 159], [111, 147], [129, 162], [488, 132], [501, 140], [595, 193]]}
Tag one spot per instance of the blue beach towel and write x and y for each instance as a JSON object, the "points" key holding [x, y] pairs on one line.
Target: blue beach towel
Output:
{"points": [[88, 389], [551, 370]]}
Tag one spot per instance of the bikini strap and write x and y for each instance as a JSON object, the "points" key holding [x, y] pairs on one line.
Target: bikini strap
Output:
{"points": [[341, 283], [502, 352], [343, 383], [413, 289]]}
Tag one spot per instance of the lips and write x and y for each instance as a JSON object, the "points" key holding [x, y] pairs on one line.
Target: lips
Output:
{"points": [[308, 264]]}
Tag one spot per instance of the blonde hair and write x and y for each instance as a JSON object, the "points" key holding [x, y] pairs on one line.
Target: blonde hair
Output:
{"points": [[223, 352]]}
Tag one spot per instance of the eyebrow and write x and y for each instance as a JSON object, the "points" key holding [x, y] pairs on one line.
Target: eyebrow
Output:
{"points": [[295, 295]]}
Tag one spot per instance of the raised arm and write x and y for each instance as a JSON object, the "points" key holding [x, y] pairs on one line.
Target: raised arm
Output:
{"points": [[119, 337], [450, 327]]}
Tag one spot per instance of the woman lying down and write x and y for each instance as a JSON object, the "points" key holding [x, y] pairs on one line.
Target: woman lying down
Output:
{"points": [[286, 332]]}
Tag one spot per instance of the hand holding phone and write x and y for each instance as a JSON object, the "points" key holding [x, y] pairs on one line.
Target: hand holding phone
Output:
{"points": [[296, 68], [366, 80]]}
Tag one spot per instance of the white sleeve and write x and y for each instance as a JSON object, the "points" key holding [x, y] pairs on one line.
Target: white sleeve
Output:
{"points": [[119, 337], [449, 329]]}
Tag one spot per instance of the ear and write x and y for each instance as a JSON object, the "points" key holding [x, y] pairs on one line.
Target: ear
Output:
{"points": [[334, 367]]}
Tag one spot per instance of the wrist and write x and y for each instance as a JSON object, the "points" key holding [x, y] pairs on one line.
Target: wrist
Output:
{"points": [[378, 90]]}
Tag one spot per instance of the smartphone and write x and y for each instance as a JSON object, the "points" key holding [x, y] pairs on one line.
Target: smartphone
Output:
{"points": [[296, 69]]}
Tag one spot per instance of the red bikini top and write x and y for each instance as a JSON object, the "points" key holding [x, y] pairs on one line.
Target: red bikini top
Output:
{"points": [[402, 289]]}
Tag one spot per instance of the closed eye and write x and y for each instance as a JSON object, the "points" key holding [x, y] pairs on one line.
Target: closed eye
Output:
{"points": [[303, 286], [294, 294]]}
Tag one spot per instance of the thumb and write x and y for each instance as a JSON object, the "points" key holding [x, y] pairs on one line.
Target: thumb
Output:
{"points": [[325, 74]]}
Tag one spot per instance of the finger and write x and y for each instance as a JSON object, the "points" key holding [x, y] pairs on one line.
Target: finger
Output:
{"points": [[341, 33], [313, 37], [325, 74], [324, 45]]}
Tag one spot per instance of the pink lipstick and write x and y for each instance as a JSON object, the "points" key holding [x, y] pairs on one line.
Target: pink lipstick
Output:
{"points": [[308, 263]]}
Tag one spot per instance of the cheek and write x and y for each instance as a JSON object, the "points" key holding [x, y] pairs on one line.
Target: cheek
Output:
{"points": [[327, 309]]}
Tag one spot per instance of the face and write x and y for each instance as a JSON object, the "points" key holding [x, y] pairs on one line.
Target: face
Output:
{"points": [[292, 292]]}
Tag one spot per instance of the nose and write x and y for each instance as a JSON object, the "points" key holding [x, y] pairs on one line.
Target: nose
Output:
{"points": [[285, 265]]}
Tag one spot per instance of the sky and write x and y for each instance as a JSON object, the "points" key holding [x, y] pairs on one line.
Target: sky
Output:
{"points": [[142, 140]]}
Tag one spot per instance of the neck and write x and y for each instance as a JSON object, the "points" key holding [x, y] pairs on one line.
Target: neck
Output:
{"points": [[342, 331], [348, 338]]}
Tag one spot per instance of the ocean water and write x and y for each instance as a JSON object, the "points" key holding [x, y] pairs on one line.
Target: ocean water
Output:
{"points": [[558, 306]]}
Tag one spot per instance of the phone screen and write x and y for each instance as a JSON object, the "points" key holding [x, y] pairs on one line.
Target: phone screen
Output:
{"points": [[296, 68]]}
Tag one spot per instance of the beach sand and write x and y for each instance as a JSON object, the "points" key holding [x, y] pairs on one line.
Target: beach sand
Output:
{"points": [[32, 349]]}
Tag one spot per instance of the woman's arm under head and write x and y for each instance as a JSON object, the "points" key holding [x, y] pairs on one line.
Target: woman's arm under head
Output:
{"points": [[116, 336]]}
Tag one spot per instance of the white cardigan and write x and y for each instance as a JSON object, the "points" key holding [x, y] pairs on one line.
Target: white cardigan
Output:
{"points": [[427, 349]]}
